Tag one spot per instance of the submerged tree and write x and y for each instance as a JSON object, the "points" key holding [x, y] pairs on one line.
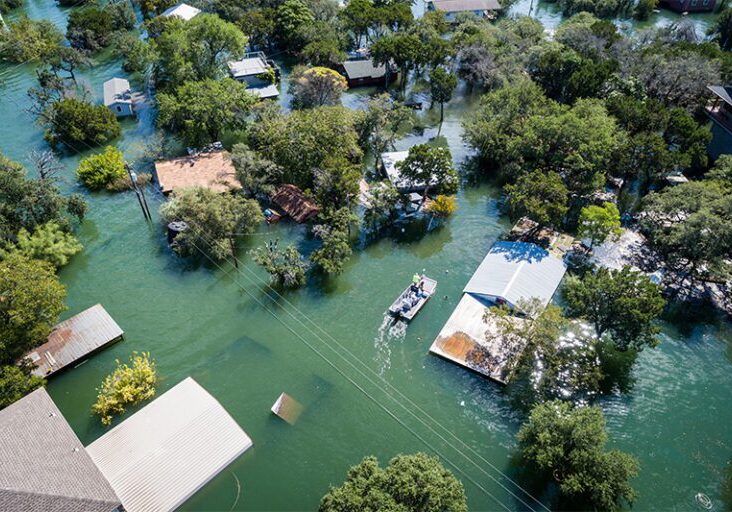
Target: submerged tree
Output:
{"points": [[442, 86], [381, 123], [129, 384], [567, 444], [316, 87], [541, 196], [47, 243], [431, 167], [333, 231], [72, 121], [382, 203], [599, 222], [409, 482], [285, 267], [103, 170]]}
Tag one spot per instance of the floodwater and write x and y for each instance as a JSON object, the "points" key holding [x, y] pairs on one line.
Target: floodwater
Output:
{"points": [[368, 387]]}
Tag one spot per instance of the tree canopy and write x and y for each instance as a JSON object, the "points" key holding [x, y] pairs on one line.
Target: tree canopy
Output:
{"points": [[103, 170], [73, 121], [409, 482], [316, 87]]}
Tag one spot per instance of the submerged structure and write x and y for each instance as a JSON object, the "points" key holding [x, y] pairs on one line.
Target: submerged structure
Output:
{"points": [[75, 339], [183, 11], [295, 203], [213, 170], [452, 8], [719, 111], [259, 73], [511, 273], [118, 97]]}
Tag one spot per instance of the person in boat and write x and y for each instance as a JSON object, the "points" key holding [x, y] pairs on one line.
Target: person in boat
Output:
{"points": [[416, 282]]}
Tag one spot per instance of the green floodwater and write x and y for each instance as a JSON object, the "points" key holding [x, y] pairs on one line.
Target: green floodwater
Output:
{"points": [[222, 328]]}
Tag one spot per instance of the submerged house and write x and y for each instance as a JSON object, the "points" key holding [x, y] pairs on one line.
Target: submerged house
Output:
{"points": [[511, 272], [213, 170], [151, 462], [295, 203], [118, 97], [363, 72], [451, 8], [689, 5], [183, 11], [259, 73], [74, 340], [719, 111], [389, 163]]}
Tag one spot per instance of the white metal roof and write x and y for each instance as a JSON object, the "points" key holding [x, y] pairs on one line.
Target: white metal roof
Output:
{"points": [[248, 67], [517, 270], [268, 91], [466, 5], [183, 11], [161, 455], [117, 90], [390, 161]]}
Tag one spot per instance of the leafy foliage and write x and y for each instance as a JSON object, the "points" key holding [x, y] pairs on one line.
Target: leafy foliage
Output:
{"points": [[15, 383], [382, 202], [599, 222], [333, 231], [431, 166], [443, 206], [90, 28], [29, 40], [622, 304], [73, 121], [568, 443], [541, 196], [201, 112], [214, 220], [285, 267], [442, 85], [103, 170], [316, 87], [721, 31], [128, 384], [48, 243], [409, 482], [257, 175]]}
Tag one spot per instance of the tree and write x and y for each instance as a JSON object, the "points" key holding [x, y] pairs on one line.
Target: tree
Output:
{"points": [[644, 8], [443, 206], [90, 28], [401, 49], [15, 383], [201, 112], [568, 443], [381, 123], [382, 203], [29, 40], [622, 304], [31, 298], [257, 175], [128, 384], [442, 85], [290, 17], [721, 31], [333, 231], [690, 225], [645, 156], [103, 170], [431, 166], [409, 482], [47, 243], [541, 196], [286, 268], [599, 222], [214, 221], [7, 5], [316, 87], [73, 121]]}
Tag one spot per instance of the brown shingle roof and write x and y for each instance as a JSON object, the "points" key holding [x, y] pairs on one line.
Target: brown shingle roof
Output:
{"points": [[211, 170], [45, 468], [292, 200]]}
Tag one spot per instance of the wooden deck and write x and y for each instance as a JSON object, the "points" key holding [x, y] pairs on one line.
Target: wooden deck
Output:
{"points": [[75, 339]]}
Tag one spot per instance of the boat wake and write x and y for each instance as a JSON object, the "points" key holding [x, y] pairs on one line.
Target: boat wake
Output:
{"points": [[390, 329]]}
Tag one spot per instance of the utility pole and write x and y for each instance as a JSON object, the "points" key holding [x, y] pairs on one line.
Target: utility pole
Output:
{"points": [[138, 192]]}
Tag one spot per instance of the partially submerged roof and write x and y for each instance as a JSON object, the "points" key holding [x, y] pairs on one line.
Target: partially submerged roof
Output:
{"points": [[268, 91], [250, 66], [44, 465], [117, 90], [74, 339], [724, 92], [295, 204], [404, 185], [475, 341], [212, 170], [516, 271], [160, 456], [287, 408], [466, 5], [363, 68], [183, 11]]}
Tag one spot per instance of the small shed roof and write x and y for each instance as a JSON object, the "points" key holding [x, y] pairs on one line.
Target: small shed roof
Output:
{"points": [[160, 456], [212, 170], [268, 91], [44, 465], [514, 271], [117, 90], [183, 11], [724, 92], [74, 339], [248, 67], [363, 68], [466, 5], [295, 204], [389, 161]]}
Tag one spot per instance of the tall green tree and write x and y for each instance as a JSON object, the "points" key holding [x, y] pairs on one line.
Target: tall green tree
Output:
{"points": [[73, 121], [201, 112], [47, 243], [567, 443], [286, 267], [290, 18], [599, 222], [316, 87], [29, 40], [442, 86], [409, 482], [721, 31], [541, 196], [429, 166], [333, 230], [401, 49], [621, 304]]}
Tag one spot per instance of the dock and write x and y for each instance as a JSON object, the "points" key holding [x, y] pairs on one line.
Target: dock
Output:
{"points": [[75, 339]]}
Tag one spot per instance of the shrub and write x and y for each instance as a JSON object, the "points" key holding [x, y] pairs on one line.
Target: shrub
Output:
{"points": [[103, 170], [73, 121], [442, 206], [48, 243], [127, 385]]}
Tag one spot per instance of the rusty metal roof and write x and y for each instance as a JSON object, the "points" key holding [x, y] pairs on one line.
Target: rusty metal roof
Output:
{"points": [[74, 339]]}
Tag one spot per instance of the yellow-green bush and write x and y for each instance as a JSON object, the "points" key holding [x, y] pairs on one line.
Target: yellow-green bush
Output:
{"points": [[129, 384]]}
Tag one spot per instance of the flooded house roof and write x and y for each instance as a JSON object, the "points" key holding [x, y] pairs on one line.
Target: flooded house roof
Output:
{"points": [[156, 459], [183, 11], [363, 68], [295, 204], [212, 170], [44, 465], [117, 90], [248, 67], [466, 5], [389, 161], [74, 339], [723, 92]]}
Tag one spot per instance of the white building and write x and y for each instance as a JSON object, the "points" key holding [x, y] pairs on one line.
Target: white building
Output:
{"points": [[183, 11], [259, 75], [118, 97], [389, 162], [451, 8]]}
